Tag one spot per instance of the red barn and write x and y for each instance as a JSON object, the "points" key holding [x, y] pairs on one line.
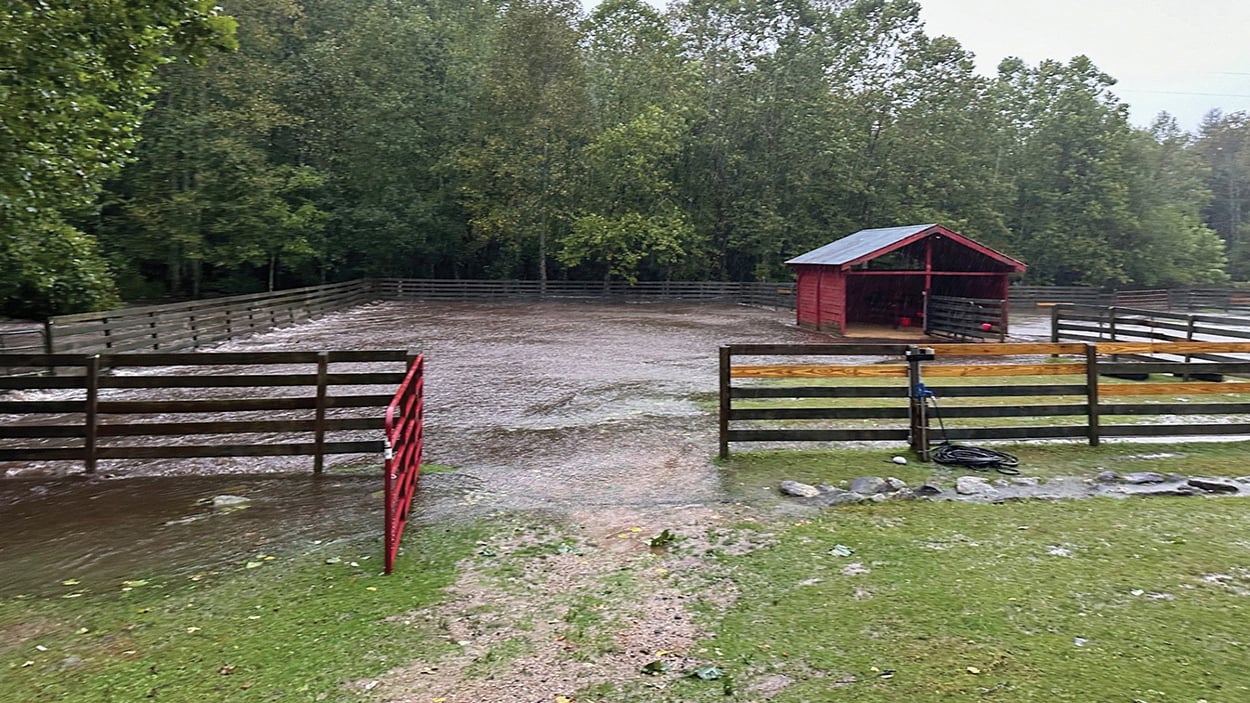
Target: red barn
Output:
{"points": [[892, 276]]}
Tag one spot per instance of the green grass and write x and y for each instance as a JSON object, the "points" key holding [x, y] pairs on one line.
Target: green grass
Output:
{"points": [[293, 627], [1096, 600]]}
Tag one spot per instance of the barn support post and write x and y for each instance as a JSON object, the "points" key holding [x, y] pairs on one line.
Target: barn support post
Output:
{"points": [[1091, 391], [319, 424], [92, 421], [726, 358]]}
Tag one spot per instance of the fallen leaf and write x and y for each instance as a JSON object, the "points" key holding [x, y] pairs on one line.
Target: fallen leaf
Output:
{"points": [[253, 565], [973, 670], [226, 670], [706, 673], [192, 630], [70, 582], [655, 668], [635, 529]]}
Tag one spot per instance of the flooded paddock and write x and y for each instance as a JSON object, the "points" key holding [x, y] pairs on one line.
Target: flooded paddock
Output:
{"points": [[555, 406]]}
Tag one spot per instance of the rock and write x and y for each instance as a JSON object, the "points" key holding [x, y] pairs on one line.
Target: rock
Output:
{"points": [[799, 490], [895, 484], [878, 497], [868, 485], [837, 496], [928, 490], [903, 494], [900, 460], [1141, 477], [1212, 485], [228, 501], [1165, 490], [1001, 483], [1026, 481], [973, 485], [1107, 477], [69, 663]]}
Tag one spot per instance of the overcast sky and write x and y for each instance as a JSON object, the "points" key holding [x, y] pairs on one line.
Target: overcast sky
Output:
{"points": [[1183, 56]]}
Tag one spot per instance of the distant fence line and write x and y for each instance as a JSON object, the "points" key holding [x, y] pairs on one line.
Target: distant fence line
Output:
{"points": [[1155, 299], [768, 294], [195, 324]]}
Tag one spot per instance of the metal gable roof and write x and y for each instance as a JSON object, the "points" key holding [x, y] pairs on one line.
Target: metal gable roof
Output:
{"points": [[858, 245], [864, 243]]}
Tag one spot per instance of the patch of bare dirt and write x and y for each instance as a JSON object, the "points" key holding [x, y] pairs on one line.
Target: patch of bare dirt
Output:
{"points": [[535, 617]]}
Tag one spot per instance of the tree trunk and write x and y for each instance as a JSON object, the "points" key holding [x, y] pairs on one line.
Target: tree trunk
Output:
{"points": [[273, 264]]}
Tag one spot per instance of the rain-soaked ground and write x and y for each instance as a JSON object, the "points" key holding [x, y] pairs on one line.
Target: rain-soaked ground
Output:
{"points": [[558, 406]]}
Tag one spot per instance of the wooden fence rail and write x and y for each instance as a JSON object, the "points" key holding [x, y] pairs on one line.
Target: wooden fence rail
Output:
{"points": [[236, 404], [967, 318], [895, 393], [770, 294], [1115, 324], [193, 324]]}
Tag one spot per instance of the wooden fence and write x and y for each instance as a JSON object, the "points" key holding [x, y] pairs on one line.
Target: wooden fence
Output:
{"points": [[979, 392], [190, 325], [967, 318], [768, 294], [1078, 323], [149, 405]]}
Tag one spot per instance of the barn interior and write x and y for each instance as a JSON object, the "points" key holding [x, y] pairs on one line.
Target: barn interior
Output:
{"points": [[889, 290]]}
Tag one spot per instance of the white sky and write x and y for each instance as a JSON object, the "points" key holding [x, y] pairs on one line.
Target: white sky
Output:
{"points": [[1183, 56]]}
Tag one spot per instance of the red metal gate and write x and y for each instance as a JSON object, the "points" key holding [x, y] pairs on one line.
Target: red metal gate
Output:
{"points": [[403, 453]]}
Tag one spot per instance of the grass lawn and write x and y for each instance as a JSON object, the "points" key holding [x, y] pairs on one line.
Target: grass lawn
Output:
{"points": [[1098, 600], [1086, 601]]}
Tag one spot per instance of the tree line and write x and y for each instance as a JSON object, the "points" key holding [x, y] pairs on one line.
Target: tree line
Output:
{"points": [[292, 142]]}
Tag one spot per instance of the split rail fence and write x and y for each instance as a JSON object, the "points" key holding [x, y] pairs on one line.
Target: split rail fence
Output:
{"points": [[150, 406], [189, 325], [875, 393]]}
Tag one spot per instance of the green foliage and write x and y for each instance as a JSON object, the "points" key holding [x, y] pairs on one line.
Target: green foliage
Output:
{"points": [[446, 138], [74, 81]]}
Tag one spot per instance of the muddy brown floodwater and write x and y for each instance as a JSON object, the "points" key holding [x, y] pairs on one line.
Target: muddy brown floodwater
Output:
{"points": [[560, 406]]}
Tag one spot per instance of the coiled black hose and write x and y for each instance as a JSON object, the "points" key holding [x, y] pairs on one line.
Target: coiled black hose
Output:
{"points": [[974, 458]]}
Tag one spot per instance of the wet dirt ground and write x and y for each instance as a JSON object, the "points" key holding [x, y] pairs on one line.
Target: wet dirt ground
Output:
{"points": [[556, 406], [550, 406]]}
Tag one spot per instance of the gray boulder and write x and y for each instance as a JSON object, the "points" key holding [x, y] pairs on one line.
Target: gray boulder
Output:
{"points": [[799, 490], [1212, 485], [1138, 478], [868, 485], [972, 486]]}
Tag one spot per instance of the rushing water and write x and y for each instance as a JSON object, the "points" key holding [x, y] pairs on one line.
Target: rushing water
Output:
{"points": [[539, 406], [101, 532]]}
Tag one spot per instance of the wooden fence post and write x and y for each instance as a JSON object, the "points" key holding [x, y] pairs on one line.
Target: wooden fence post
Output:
{"points": [[1054, 324], [726, 357], [1091, 392], [92, 420], [919, 411], [319, 424]]}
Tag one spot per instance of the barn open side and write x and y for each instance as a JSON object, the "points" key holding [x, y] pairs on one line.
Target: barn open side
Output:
{"points": [[887, 279]]}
